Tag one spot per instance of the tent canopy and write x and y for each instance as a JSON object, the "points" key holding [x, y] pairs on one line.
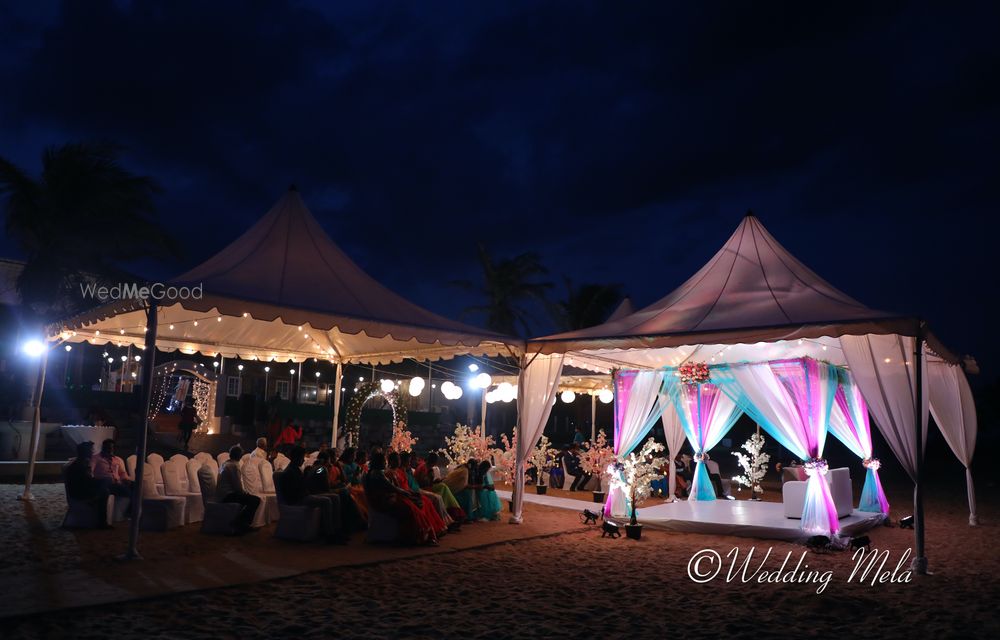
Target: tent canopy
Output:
{"points": [[284, 291], [752, 301]]}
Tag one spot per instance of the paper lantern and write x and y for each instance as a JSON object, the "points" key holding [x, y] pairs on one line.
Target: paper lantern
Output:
{"points": [[491, 397], [606, 396], [483, 380], [568, 396], [387, 386], [416, 386], [505, 392]]}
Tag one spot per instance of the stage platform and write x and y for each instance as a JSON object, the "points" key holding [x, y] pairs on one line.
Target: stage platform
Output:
{"points": [[725, 517]]}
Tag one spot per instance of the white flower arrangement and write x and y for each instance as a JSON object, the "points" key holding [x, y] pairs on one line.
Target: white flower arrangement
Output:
{"points": [[634, 474], [505, 458], [466, 445], [597, 455], [402, 440], [754, 466], [541, 458]]}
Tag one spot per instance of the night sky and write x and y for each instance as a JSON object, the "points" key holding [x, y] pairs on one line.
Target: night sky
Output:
{"points": [[623, 143]]}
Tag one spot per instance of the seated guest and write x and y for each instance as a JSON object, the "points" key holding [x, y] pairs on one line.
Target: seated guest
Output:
{"points": [[261, 450], [292, 488], [402, 480], [716, 480], [428, 476], [110, 469], [325, 478], [83, 486], [385, 497], [489, 504], [352, 477], [573, 468], [436, 501], [461, 481], [230, 489]]}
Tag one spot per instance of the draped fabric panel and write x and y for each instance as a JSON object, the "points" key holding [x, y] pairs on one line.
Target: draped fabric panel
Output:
{"points": [[673, 430], [849, 424], [882, 367], [954, 411], [636, 411], [792, 401], [537, 386], [706, 414]]}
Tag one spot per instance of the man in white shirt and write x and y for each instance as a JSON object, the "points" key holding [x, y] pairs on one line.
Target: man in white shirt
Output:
{"points": [[261, 450], [230, 489]]}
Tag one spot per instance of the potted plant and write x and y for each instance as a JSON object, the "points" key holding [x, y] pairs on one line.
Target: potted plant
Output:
{"points": [[635, 477], [541, 459], [754, 466], [594, 459]]}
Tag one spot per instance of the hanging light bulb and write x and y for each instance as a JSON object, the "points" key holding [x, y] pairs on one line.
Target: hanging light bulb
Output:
{"points": [[240, 367], [568, 396], [267, 369], [606, 396]]}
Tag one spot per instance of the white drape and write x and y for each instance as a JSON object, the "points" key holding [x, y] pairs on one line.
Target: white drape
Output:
{"points": [[640, 395], [882, 367], [673, 431], [537, 386], [954, 411]]}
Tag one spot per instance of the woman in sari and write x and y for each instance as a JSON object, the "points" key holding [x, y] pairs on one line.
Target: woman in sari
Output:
{"points": [[352, 476], [489, 504], [425, 505], [437, 501], [428, 476], [460, 481], [384, 496]]}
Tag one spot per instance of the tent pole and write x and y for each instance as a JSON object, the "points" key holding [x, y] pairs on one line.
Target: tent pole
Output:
{"points": [[517, 482], [482, 416], [430, 388], [36, 425], [336, 404], [593, 417], [144, 426], [919, 560]]}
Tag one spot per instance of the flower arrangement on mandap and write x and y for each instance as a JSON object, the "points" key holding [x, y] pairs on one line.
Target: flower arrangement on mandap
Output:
{"points": [[402, 440], [505, 458], [541, 458], [597, 455], [694, 373], [634, 474], [754, 465], [466, 445]]}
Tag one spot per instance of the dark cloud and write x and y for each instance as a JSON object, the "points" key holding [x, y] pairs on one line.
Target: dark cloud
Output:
{"points": [[864, 135]]}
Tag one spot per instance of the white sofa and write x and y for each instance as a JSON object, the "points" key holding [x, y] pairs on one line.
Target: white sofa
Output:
{"points": [[793, 494]]}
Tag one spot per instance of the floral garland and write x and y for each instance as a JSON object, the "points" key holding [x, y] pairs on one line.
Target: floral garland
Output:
{"points": [[366, 391], [872, 463], [694, 373], [402, 440], [596, 456], [816, 465]]}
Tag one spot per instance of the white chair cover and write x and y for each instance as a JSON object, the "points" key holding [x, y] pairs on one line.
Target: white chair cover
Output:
{"points": [[280, 462], [155, 461], [179, 456], [222, 458], [130, 467], [192, 467], [266, 476]]}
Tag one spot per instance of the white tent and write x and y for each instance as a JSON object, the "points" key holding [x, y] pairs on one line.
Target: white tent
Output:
{"points": [[753, 302], [283, 291]]}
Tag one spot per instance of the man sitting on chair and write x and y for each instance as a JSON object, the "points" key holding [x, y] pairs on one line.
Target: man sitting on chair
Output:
{"points": [[110, 470], [230, 489], [293, 490]]}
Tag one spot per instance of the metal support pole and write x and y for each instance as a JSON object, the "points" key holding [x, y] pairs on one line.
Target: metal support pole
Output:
{"points": [[919, 559], [593, 418], [132, 553], [36, 425], [482, 416], [338, 379]]}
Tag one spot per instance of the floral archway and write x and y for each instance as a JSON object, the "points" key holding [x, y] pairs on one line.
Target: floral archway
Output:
{"points": [[366, 391]]}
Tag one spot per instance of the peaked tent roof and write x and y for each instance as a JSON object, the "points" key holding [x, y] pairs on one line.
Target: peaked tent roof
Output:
{"points": [[295, 295], [752, 290], [622, 310]]}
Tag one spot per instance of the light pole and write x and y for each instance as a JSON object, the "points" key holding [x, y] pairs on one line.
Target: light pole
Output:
{"points": [[35, 349]]}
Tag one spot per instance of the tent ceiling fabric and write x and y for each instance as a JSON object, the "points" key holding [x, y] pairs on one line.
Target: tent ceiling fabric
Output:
{"points": [[282, 274], [752, 292]]}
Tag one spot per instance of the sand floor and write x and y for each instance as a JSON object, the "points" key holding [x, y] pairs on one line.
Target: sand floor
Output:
{"points": [[501, 581]]}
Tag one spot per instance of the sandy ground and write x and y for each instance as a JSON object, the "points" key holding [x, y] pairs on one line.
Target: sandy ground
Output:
{"points": [[534, 584]]}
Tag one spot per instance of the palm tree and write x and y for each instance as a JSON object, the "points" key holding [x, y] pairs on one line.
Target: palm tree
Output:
{"points": [[77, 223], [585, 305], [507, 285]]}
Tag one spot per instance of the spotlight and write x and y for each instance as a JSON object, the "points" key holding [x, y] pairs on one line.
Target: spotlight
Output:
{"points": [[610, 530], [906, 523], [818, 543], [33, 348], [588, 517], [861, 542]]}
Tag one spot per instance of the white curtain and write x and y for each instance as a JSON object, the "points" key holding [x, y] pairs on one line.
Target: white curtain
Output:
{"points": [[954, 411], [883, 368], [636, 395], [537, 386], [673, 430]]}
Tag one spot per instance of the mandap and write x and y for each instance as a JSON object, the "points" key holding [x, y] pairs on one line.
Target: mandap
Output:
{"points": [[282, 292], [756, 331]]}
